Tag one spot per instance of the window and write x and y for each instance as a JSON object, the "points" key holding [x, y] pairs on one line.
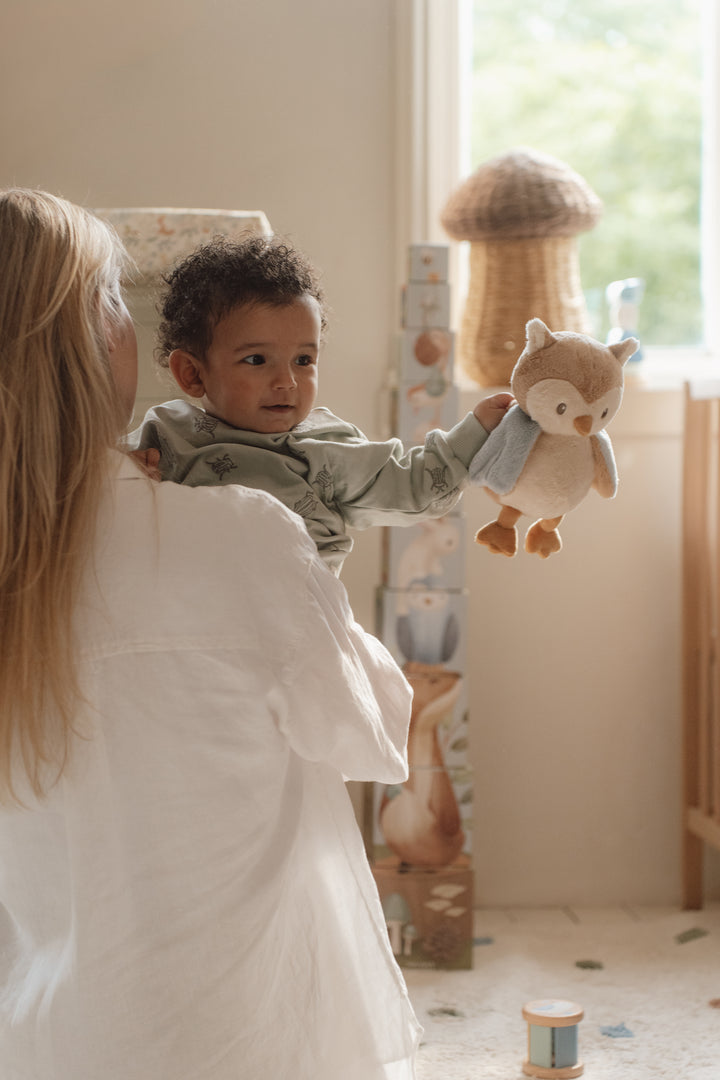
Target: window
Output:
{"points": [[614, 89], [623, 91]]}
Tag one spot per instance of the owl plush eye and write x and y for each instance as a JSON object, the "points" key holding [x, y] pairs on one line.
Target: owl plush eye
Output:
{"points": [[562, 407]]}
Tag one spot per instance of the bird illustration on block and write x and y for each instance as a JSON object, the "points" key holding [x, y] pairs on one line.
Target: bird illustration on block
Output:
{"points": [[551, 448], [421, 819]]}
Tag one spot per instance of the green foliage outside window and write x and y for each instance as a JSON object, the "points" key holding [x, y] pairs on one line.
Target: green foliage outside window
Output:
{"points": [[613, 88]]}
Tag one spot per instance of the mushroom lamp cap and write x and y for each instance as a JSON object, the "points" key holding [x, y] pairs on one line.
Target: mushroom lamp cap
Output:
{"points": [[523, 194]]}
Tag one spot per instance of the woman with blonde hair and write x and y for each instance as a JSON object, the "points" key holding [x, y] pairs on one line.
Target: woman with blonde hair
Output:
{"points": [[183, 888], [64, 334]]}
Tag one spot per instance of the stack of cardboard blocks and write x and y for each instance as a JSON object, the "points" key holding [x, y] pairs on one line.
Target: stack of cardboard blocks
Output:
{"points": [[420, 833]]}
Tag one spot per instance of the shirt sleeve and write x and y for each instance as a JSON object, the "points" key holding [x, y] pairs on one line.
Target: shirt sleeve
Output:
{"points": [[379, 483], [344, 700]]}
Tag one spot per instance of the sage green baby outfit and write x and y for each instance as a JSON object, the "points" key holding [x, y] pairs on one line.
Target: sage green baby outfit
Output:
{"points": [[325, 469]]}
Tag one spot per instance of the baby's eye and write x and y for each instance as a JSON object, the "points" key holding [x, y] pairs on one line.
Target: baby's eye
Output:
{"points": [[604, 414], [255, 360], [305, 361], [562, 407]]}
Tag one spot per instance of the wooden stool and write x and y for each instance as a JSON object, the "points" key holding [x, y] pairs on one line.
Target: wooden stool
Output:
{"points": [[552, 1039]]}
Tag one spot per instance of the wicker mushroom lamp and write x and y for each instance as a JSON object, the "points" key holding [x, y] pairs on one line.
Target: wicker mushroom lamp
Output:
{"points": [[521, 212]]}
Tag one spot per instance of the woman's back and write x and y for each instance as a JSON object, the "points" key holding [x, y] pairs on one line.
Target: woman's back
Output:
{"points": [[192, 900]]}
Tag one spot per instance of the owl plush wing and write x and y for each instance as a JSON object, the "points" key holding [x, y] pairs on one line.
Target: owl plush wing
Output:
{"points": [[499, 462], [608, 485]]}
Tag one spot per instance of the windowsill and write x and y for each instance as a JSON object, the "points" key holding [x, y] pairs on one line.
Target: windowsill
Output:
{"points": [[659, 370], [671, 369], [654, 391]]}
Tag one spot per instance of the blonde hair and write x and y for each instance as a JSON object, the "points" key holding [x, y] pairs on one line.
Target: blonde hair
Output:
{"points": [[60, 270]]}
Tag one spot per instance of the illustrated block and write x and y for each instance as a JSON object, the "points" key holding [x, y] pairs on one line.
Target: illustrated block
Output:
{"points": [[426, 357], [426, 304], [428, 262], [429, 554], [418, 413], [429, 916], [424, 626]]}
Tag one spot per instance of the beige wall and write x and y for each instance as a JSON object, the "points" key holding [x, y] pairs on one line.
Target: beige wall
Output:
{"points": [[577, 689], [236, 104], [287, 107]]}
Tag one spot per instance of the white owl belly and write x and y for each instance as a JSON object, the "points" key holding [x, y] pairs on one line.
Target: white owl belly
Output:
{"points": [[556, 476]]}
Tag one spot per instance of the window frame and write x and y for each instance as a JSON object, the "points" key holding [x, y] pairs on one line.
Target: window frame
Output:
{"points": [[710, 178], [433, 53], [433, 57]]}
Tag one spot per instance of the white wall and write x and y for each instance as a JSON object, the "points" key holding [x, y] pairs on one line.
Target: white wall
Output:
{"points": [[288, 107]]}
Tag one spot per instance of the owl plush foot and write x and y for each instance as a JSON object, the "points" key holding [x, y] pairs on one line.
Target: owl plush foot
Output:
{"points": [[500, 540], [541, 540]]}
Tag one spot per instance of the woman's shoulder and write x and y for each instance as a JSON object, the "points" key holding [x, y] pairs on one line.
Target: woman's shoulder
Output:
{"points": [[208, 551], [232, 524], [220, 506], [183, 510]]}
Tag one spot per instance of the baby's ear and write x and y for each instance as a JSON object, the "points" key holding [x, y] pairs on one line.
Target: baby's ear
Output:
{"points": [[187, 372]]}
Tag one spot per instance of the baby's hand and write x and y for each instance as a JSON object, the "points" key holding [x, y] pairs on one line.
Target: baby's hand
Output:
{"points": [[491, 410], [148, 460]]}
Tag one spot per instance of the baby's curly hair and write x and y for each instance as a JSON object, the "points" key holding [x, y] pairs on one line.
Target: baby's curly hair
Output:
{"points": [[222, 275]]}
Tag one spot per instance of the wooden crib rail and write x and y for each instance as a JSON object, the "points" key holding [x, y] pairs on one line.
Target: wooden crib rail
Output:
{"points": [[701, 604]]}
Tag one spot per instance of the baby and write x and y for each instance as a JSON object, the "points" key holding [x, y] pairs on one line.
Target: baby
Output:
{"points": [[241, 331]]}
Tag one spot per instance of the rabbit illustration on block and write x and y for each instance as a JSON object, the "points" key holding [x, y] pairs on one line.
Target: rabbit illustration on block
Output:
{"points": [[421, 819]]}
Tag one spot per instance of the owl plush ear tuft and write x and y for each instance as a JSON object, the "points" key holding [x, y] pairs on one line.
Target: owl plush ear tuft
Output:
{"points": [[538, 336], [623, 350]]}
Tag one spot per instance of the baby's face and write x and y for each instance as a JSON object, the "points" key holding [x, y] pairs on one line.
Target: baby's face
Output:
{"points": [[260, 371]]}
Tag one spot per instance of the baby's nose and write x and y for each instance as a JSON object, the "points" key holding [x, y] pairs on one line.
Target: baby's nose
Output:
{"points": [[285, 375]]}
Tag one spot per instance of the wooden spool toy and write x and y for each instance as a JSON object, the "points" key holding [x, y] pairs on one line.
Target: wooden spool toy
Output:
{"points": [[552, 1039]]}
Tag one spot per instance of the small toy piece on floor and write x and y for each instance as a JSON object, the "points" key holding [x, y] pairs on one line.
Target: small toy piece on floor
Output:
{"points": [[692, 934], [617, 1031], [552, 1039]]}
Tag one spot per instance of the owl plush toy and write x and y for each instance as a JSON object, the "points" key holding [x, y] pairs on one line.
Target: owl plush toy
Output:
{"points": [[550, 448]]}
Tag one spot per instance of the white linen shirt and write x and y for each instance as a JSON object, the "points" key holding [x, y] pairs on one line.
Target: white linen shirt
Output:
{"points": [[193, 901]]}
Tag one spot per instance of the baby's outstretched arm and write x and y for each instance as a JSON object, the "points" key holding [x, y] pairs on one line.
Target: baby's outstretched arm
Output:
{"points": [[491, 410], [148, 460]]}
